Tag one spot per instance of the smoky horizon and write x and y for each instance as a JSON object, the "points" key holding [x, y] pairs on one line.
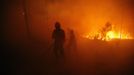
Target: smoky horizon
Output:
{"points": [[37, 18]]}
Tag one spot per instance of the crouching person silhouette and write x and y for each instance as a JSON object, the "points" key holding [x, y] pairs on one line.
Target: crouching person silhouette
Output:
{"points": [[58, 37]]}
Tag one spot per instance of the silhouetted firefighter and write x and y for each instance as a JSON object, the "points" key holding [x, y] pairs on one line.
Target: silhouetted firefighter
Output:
{"points": [[72, 45], [59, 38]]}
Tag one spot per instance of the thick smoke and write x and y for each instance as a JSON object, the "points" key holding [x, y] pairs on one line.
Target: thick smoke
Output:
{"points": [[84, 16]]}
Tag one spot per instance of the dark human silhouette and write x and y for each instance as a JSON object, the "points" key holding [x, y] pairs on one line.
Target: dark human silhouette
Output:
{"points": [[58, 36], [72, 45], [72, 50]]}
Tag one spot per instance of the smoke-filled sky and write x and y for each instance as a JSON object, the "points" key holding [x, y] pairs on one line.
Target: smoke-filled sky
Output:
{"points": [[84, 16]]}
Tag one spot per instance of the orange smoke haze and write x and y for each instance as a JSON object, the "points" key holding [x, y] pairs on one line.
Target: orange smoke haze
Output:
{"points": [[84, 16]]}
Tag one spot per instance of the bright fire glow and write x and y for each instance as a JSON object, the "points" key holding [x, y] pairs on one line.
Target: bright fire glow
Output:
{"points": [[109, 36], [114, 35]]}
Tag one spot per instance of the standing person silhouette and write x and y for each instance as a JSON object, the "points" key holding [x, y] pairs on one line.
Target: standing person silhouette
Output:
{"points": [[58, 36], [72, 45]]}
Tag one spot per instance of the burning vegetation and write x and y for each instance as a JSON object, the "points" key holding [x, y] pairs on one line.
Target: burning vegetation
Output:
{"points": [[108, 33]]}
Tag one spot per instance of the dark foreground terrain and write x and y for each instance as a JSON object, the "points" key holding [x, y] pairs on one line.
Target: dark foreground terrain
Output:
{"points": [[92, 57]]}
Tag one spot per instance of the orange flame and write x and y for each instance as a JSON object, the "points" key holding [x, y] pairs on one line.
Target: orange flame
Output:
{"points": [[114, 35], [109, 36]]}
